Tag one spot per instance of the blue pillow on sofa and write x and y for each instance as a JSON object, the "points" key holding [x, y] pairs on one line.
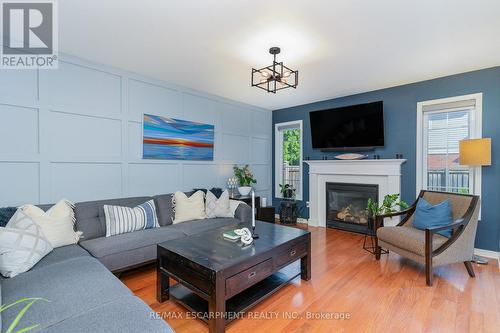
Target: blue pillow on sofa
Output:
{"points": [[428, 216]]}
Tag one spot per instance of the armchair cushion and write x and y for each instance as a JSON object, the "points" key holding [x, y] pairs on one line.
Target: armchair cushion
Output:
{"points": [[408, 238], [430, 216]]}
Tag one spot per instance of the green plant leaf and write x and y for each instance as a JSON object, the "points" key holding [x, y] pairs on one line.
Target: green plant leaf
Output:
{"points": [[26, 329], [388, 205], [291, 146], [22, 300], [402, 204], [21, 313], [19, 316]]}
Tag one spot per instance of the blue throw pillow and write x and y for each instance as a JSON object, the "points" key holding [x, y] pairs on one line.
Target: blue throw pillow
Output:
{"points": [[428, 216]]}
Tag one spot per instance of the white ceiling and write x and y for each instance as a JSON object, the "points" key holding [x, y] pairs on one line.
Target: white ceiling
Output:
{"points": [[340, 47]]}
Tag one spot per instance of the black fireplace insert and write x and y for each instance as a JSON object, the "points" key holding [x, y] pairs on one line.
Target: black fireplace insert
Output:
{"points": [[346, 206]]}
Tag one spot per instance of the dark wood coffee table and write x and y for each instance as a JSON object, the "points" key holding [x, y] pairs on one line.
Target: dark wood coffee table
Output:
{"points": [[220, 279]]}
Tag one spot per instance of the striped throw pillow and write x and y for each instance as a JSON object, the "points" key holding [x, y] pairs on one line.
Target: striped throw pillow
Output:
{"points": [[120, 220]]}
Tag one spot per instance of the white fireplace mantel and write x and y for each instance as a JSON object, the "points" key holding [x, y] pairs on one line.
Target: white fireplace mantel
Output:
{"points": [[384, 173]]}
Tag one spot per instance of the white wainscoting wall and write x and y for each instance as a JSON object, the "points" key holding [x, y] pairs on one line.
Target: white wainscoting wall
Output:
{"points": [[75, 133]]}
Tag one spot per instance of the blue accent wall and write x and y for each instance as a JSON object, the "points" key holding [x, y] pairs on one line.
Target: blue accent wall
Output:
{"points": [[400, 105]]}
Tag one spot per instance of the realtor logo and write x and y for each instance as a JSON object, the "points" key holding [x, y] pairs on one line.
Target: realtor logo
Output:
{"points": [[29, 34]]}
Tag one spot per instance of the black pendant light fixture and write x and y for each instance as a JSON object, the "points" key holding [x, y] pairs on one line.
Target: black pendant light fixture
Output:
{"points": [[276, 76]]}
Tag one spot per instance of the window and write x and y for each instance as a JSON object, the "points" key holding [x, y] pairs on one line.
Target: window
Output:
{"points": [[288, 157], [441, 124]]}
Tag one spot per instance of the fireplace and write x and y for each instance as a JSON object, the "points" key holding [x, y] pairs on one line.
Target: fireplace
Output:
{"points": [[346, 204]]}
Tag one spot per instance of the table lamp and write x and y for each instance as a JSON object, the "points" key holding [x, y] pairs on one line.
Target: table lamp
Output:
{"points": [[476, 153]]}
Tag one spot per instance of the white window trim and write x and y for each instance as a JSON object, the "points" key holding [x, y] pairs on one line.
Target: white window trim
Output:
{"points": [[476, 133], [278, 153]]}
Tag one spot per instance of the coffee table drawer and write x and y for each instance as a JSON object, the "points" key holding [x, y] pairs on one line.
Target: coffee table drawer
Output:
{"points": [[292, 254], [249, 277]]}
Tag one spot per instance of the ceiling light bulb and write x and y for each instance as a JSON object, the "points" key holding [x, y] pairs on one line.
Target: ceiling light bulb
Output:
{"points": [[263, 81], [283, 80], [287, 74], [264, 74]]}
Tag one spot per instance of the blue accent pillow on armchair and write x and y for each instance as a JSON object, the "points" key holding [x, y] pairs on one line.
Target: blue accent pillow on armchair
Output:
{"points": [[428, 216]]}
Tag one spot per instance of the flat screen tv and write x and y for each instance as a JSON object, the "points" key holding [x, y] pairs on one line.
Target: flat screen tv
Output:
{"points": [[356, 127]]}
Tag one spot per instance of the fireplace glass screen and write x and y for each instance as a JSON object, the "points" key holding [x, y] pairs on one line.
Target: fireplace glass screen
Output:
{"points": [[346, 205]]}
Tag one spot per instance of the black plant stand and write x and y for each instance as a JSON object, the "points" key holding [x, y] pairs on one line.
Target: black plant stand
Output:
{"points": [[369, 243], [288, 212]]}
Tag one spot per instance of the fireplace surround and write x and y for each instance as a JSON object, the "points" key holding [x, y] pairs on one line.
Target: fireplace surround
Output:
{"points": [[385, 173]]}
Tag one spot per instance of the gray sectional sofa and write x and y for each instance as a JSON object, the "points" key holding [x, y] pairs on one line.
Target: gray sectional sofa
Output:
{"points": [[84, 295]]}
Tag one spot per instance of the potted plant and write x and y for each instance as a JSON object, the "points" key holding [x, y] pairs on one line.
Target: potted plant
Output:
{"points": [[388, 206], [287, 191], [245, 179]]}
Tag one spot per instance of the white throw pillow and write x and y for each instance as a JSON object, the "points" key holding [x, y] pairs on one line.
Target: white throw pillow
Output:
{"points": [[218, 207], [22, 245], [187, 209], [57, 223]]}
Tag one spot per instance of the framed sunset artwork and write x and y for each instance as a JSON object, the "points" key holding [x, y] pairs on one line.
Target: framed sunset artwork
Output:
{"points": [[174, 139]]}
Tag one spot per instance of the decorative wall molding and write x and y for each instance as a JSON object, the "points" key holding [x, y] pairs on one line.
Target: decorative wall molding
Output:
{"points": [[75, 132]]}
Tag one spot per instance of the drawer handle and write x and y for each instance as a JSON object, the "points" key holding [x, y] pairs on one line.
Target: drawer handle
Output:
{"points": [[251, 275], [292, 253]]}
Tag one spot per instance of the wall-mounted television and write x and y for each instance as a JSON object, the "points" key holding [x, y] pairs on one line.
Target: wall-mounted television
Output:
{"points": [[356, 127]]}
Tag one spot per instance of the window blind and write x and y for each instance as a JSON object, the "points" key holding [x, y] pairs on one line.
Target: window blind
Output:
{"points": [[465, 104]]}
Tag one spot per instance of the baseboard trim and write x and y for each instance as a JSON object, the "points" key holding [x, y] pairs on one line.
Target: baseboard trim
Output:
{"points": [[488, 254]]}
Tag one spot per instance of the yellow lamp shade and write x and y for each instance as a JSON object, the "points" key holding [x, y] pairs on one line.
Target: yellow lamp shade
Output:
{"points": [[475, 152]]}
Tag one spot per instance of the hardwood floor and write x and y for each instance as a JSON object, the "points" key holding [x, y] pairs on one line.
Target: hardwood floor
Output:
{"points": [[385, 296]]}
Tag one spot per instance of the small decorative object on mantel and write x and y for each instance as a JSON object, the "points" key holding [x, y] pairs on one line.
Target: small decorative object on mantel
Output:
{"points": [[245, 179], [276, 76], [350, 156]]}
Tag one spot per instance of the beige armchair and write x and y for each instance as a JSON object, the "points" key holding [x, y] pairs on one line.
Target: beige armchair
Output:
{"points": [[427, 247]]}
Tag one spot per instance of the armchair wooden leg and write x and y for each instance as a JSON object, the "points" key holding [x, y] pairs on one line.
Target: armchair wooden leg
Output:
{"points": [[378, 251], [428, 274], [470, 270], [428, 258]]}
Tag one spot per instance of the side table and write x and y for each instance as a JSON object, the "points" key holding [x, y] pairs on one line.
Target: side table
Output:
{"points": [[266, 214]]}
